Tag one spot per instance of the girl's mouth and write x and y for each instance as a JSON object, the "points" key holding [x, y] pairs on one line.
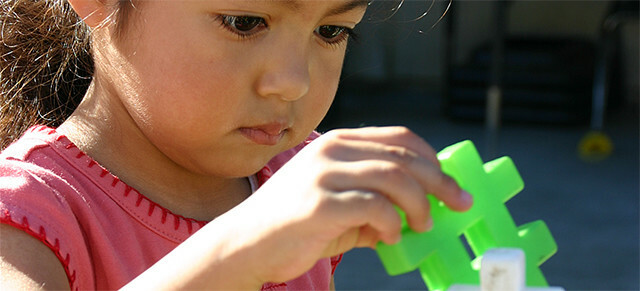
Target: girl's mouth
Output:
{"points": [[266, 134]]}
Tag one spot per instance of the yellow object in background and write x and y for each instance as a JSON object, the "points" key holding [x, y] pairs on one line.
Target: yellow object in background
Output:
{"points": [[595, 146]]}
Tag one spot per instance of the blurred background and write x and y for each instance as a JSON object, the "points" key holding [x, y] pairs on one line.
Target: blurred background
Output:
{"points": [[552, 84]]}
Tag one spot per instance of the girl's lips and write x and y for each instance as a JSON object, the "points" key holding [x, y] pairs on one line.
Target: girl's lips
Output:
{"points": [[268, 134]]}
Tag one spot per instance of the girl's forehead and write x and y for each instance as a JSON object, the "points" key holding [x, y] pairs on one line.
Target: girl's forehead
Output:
{"points": [[343, 5], [337, 6]]}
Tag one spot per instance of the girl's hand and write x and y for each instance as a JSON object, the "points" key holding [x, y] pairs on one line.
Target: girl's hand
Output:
{"points": [[339, 193], [336, 194]]}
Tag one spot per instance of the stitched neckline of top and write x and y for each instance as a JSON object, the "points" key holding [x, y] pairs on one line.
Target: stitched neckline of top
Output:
{"points": [[136, 204]]}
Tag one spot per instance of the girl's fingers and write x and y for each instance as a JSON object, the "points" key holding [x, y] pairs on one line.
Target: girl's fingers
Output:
{"points": [[392, 136], [443, 187], [427, 174], [365, 208], [388, 179], [356, 150], [357, 237]]}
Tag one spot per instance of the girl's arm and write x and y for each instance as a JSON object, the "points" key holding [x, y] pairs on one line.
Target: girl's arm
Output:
{"points": [[217, 257], [203, 261], [336, 194], [27, 264]]}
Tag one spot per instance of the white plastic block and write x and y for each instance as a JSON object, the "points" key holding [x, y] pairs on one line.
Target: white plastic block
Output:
{"points": [[463, 287], [502, 269]]}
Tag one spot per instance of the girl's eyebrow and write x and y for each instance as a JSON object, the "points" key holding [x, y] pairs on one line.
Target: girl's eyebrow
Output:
{"points": [[346, 7], [294, 5]]}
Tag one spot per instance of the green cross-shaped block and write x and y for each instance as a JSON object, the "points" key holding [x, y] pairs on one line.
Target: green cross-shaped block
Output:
{"points": [[440, 254]]}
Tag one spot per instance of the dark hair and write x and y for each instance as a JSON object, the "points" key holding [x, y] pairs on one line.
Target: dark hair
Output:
{"points": [[45, 63]]}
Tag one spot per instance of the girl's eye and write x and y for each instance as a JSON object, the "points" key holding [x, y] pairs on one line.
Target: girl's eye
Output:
{"points": [[242, 25], [333, 34]]}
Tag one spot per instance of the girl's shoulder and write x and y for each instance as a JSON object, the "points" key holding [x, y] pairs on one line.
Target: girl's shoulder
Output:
{"points": [[35, 175], [30, 163], [36, 162], [34, 188]]}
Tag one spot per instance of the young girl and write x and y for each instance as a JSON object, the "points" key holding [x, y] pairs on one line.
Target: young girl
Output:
{"points": [[164, 176]]}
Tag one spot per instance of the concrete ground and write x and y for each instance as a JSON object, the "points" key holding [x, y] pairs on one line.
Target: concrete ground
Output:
{"points": [[590, 208]]}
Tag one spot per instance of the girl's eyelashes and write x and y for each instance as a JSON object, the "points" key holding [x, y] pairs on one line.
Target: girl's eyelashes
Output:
{"points": [[246, 26], [243, 26], [334, 35]]}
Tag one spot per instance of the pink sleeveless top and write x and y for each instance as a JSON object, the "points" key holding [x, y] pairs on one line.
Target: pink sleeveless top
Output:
{"points": [[104, 232]]}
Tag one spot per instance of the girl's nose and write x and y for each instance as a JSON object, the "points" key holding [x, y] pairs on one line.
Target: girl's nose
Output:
{"points": [[285, 76]]}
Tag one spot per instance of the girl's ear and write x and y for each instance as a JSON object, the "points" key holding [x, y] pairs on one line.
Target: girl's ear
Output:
{"points": [[92, 12]]}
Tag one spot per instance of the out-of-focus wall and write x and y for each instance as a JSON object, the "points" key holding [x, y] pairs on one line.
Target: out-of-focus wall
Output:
{"points": [[399, 48], [631, 52], [402, 50]]}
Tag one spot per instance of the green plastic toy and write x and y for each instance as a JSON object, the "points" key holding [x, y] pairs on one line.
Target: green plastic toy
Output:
{"points": [[440, 254]]}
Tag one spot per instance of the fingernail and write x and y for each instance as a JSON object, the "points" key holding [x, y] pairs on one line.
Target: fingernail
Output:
{"points": [[429, 226], [466, 197], [396, 239]]}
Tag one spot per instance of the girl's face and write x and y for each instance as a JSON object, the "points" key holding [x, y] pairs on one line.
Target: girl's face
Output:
{"points": [[220, 87]]}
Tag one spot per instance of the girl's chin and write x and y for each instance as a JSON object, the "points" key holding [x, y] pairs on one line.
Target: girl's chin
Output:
{"points": [[241, 169]]}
